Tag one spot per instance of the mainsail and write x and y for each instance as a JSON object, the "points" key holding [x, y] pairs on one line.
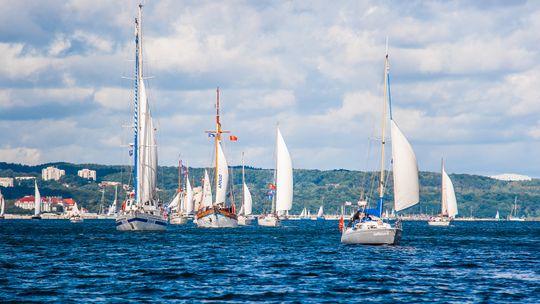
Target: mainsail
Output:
{"points": [[284, 175], [2, 204], [188, 201], [405, 170], [449, 200], [321, 212], [247, 201], [222, 176], [37, 200], [207, 191]]}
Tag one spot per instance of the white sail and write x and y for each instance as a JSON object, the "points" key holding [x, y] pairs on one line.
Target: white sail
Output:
{"points": [[75, 210], [112, 208], [188, 201], [320, 213], [405, 170], [2, 204], [450, 196], [207, 191], [222, 176], [37, 200], [284, 175], [173, 205], [497, 215], [303, 213], [247, 201], [241, 210]]}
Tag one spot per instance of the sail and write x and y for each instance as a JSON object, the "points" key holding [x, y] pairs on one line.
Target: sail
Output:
{"points": [[450, 196], [188, 201], [284, 175], [320, 213], [247, 201], [147, 160], [405, 170], [75, 210], [173, 205], [207, 192], [497, 215], [37, 200], [222, 176], [2, 204], [303, 213], [241, 210], [112, 208]]}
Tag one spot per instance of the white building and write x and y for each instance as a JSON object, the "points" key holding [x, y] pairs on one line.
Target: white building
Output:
{"points": [[511, 177], [52, 173], [87, 173], [6, 181]]}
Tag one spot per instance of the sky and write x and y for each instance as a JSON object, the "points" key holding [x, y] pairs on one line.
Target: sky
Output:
{"points": [[465, 81]]}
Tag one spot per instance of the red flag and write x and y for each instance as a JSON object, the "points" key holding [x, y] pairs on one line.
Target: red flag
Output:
{"points": [[271, 186], [233, 138], [341, 224]]}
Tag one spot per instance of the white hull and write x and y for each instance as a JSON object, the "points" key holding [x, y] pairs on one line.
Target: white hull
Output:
{"points": [[76, 219], [244, 220], [269, 221], [439, 223], [516, 219], [371, 233], [177, 219], [140, 222], [213, 218]]}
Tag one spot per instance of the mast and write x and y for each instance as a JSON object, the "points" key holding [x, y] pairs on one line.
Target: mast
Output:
{"points": [[443, 189], [243, 185], [138, 79], [217, 138], [179, 190], [273, 211], [383, 125]]}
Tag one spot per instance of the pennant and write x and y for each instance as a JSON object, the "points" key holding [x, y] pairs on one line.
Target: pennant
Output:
{"points": [[233, 138]]}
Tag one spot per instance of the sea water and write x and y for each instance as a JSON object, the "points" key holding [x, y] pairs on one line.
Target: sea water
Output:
{"points": [[302, 262]]}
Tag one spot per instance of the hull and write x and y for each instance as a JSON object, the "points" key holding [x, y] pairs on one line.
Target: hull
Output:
{"points": [[516, 219], [76, 219], [140, 222], [269, 221], [371, 233], [216, 218], [244, 220], [177, 219], [439, 223], [36, 217]]}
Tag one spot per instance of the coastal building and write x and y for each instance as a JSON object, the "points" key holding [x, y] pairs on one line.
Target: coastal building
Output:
{"points": [[6, 182], [48, 203], [511, 177], [87, 173], [52, 173], [109, 184]]}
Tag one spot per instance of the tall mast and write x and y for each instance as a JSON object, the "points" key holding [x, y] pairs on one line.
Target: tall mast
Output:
{"points": [[275, 176], [179, 185], [243, 183], [138, 79], [383, 123], [443, 196], [217, 138]]}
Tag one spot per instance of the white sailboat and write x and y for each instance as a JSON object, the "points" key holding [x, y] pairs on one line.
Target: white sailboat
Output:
{"points": [[37, 203], [143, 210], [366, 225], [75, 215], [320, 213], [282, 200], [514, 214], [112, 208], [182, 201], [448, 201], [2, 206], [217, 214], [244, 216], [497, 217]]}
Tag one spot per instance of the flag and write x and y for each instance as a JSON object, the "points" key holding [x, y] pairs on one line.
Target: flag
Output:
{"points": [[271, 186], [183, 170], [233, 138], [130, 152], [211, 135], [341, 224]]}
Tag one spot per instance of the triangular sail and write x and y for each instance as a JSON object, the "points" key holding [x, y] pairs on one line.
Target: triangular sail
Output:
{"points": [[405, 170], [188, 201], [320, 213], [497, 215], [450, 196], [37, 200], [2, 204], [247, 201], [207, 191], [75, 210], [173, 205], [284, 175], [222, 176]]}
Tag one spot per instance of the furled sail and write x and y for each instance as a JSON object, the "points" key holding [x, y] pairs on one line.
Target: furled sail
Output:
{"points": [[405, 170], [207, 191], [247, 201], [37, 200], [450, 196], [222, 176], [284, 175]]}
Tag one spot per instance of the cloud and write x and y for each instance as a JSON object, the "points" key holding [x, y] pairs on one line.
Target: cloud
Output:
{"points": [[20, 155]]}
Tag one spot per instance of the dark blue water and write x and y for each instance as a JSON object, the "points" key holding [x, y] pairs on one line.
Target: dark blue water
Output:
{"points": [[57, 261]]}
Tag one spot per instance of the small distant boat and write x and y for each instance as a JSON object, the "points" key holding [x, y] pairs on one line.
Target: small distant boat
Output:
{"points": [[112, 208], [514, 213], [182, 204], [217, 214], [320, 214], [2, 206], [75, 216], [366, 226], [282, 187], [142, 210], [37, 203], [497, 217], [448, 201], [244, 216]]}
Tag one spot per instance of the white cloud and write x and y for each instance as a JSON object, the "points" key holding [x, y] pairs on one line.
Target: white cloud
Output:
{"points": [[20, 155]]}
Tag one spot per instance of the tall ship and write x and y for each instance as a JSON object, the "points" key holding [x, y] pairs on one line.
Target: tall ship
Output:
{"points": [[282, 187], [367, 226], [142, 210], [449, 208], [216, 213]]}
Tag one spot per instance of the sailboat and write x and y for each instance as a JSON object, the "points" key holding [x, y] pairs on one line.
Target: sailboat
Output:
{"points": [[112, 208], [142, 210], [320, 213], [2, 206], [448, 201], [244, 216], [37, 203], [182, 203], [514, 214], [366, 225], [283, 185], [497, 217], [75, 216], [217, 214]]}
